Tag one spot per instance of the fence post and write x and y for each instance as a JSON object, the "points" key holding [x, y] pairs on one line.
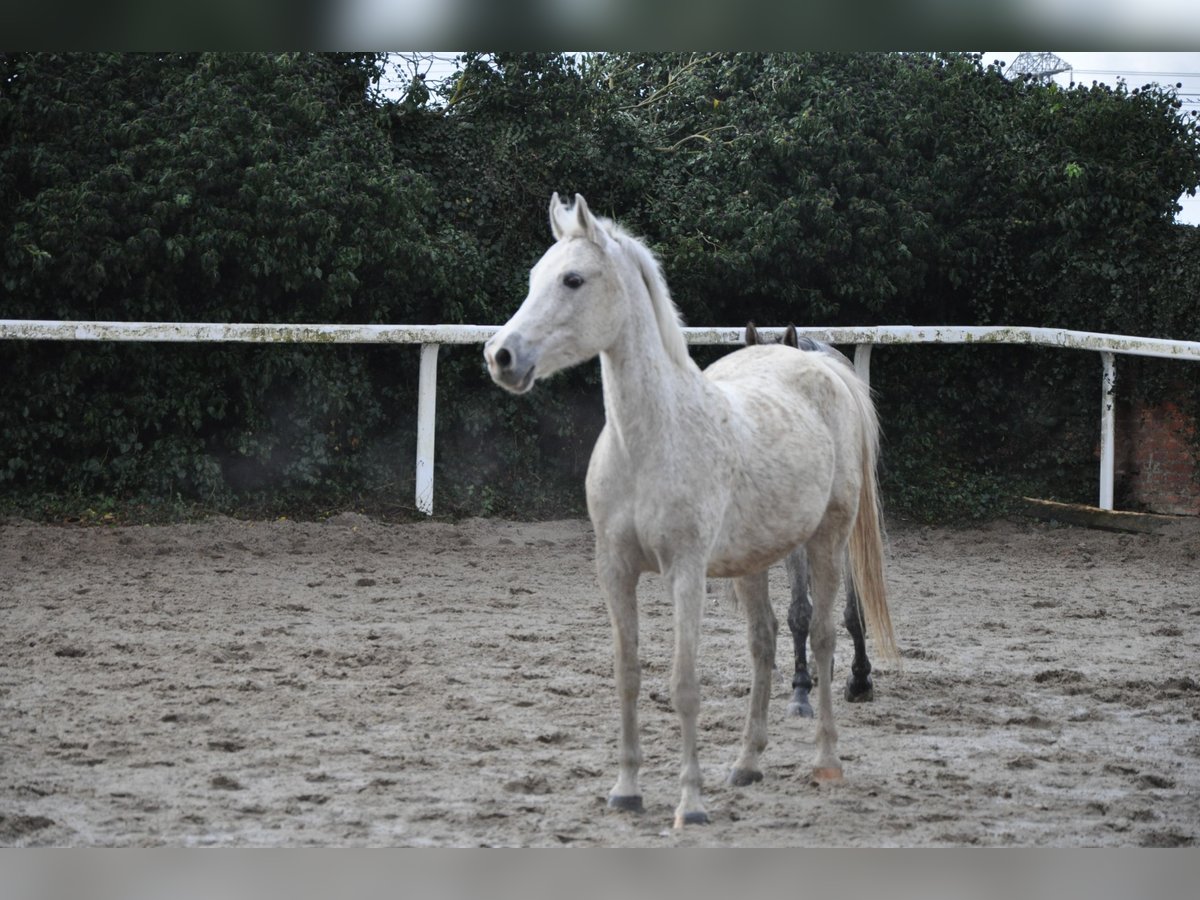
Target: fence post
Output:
{"points": [[426, 413], [862, 361], [1107, 429]]}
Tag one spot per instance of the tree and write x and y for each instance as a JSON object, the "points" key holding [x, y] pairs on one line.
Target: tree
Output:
{"points": [[816, 188], [917, 188], [189, 188]]}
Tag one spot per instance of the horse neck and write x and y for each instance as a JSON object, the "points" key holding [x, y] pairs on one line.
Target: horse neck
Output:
{"points": [[645, 391]]}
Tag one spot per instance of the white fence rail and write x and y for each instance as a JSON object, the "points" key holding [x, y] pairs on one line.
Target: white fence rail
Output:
{"points": [[430, 337]]}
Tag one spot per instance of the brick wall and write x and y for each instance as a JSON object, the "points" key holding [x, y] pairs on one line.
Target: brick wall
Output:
{"points": [[1156, 458]]}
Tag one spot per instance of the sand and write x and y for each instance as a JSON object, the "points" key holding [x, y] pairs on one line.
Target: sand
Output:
{"points": [[357, 683]]}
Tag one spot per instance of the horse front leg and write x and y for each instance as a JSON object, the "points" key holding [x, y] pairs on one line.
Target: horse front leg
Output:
{"points": [[761, 630], [858, 686], [799, 616], [686, 585], [826, 571], [620, 590]]}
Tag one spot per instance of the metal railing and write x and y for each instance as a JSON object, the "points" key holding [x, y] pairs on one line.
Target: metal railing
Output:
{"points": [[431, 337]]}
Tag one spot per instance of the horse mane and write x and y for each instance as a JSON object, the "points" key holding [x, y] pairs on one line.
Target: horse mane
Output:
{"points": [[666, 313]]}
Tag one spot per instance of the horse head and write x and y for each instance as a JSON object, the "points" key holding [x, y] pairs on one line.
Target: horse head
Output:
{"points": [[572, 311]]}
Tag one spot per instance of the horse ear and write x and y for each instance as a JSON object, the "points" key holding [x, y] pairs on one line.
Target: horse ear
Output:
{"points": [[577, 219], [790, 338], [751, 334], [587, 222], [556, 210]]}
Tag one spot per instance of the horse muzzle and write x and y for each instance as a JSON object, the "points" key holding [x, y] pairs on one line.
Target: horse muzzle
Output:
{"points": [[510, 363]]}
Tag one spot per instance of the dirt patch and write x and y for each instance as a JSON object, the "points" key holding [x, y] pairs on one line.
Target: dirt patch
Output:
{"points": [[352, 683]]}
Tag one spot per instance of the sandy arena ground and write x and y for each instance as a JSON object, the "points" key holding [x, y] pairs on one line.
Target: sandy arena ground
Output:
{"points": [[351, 683]]}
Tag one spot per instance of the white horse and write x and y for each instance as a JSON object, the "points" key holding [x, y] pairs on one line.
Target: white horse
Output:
{"points": [[719, 474]]}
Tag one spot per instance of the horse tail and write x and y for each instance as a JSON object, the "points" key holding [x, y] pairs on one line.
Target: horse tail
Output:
{"points": [[866, 536]]}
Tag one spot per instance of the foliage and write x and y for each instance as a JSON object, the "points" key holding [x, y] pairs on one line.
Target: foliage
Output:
{"points": [[919, 189], [205, 188], [817, 188]]}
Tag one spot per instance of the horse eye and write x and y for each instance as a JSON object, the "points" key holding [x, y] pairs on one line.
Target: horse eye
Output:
{"points": [[573, 280]]}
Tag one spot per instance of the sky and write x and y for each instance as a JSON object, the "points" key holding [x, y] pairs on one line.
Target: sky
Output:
{"points": [[1136, 69]]}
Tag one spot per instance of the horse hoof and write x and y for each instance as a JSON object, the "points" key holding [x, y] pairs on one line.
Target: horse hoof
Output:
{"points": [[743, 777], [799, 705], [801, 710], [630, 803], [825, 774], [692, 818], [857, 693]]}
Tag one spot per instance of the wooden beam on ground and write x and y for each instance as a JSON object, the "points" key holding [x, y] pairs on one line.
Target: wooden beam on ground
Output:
{"points": [[1094, 517]]}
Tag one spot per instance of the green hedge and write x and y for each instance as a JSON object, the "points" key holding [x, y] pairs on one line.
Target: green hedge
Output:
{"points": [[810, 188]]}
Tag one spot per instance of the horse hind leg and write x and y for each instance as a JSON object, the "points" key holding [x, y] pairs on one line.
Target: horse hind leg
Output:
{"points": [[799, 616], [825, 569], [761, 630], [859, 688]]}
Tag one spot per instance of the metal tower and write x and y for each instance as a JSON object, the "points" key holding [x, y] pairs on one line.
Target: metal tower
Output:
{"points": [[1038, 66]]}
